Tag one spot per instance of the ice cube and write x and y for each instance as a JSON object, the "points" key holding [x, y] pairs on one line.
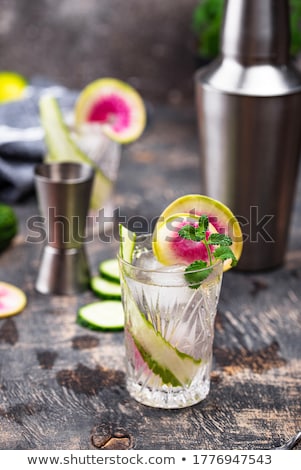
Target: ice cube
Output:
{"points": [[175, 268], [146, 260]]}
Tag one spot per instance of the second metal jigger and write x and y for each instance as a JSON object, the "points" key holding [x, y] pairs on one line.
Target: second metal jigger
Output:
{"points": [[63, 191]]}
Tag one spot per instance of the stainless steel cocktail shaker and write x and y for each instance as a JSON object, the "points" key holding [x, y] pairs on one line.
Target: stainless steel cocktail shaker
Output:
{"points": [[249, 114]]}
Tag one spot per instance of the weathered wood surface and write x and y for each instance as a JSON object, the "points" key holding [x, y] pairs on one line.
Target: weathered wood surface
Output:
{"points": [[62, 386]]}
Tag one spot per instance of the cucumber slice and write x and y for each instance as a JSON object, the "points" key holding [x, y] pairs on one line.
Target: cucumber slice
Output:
{"points": [[127, 243], [109, 269], [61, 148], [173, 366], [60, 145], [105, 288], [106, 315]]}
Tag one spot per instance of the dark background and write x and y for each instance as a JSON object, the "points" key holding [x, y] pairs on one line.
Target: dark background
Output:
{"points": [[146, 43]]}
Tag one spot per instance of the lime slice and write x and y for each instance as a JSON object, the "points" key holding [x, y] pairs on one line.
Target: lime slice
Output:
{"points": [[12, 86], [12, 300], [220, 217], [115, 105], [62, 148]]}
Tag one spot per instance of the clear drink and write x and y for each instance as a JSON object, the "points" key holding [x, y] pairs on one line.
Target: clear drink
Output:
{"points": [[169, 330], [106, 154]]}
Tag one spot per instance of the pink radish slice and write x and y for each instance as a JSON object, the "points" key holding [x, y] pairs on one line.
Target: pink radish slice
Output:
{"points": [[12, 300]]}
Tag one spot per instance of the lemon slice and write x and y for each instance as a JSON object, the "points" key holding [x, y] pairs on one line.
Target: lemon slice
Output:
{"points": [[221, 220], [115, 105], [12, 86], [12, 300]]}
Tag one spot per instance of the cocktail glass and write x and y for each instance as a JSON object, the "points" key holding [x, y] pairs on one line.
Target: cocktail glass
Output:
{"points": [[106, 154], [169, 329]]}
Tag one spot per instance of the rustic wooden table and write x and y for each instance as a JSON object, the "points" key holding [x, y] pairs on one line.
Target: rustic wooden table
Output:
{"points": [[63, 386]]}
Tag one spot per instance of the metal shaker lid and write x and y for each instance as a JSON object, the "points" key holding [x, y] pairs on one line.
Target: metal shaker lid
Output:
{"points": [[231, 77], [256, 31], [254, 58]]}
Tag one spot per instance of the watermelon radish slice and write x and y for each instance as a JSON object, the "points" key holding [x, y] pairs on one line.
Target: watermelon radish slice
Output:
{"points": [[221, 219], [115, 105], [169, 248], [12, 300]]}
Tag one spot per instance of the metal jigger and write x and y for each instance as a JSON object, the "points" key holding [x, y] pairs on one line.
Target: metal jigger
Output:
{"points": [[63, 191]]}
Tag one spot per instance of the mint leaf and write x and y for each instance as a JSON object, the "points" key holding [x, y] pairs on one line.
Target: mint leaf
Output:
{"points": [[219, 239], [200, 235], [189, 232], [203, 223], [195, 273], [224, 253], [199, 270]]}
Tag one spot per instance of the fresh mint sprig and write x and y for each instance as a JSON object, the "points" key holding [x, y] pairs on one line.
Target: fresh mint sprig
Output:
{"points": [[197, 271]]}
